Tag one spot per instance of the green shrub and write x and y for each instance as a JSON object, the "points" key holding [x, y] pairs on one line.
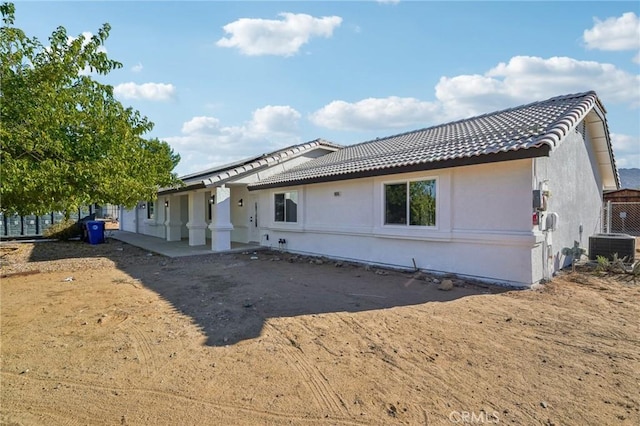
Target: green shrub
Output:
{"points": [[615, 266], [603, 264], [64, 230]]}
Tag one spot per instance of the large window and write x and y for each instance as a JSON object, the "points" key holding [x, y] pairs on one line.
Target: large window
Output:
{"points": [[286, 206], [412, 203]]}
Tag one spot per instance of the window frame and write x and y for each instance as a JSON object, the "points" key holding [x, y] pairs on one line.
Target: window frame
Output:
{"points": [[150, 210], [284, 205], [407, 213]]}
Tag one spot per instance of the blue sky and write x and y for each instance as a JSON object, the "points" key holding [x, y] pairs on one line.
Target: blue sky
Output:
{"points": [[227, 80]]}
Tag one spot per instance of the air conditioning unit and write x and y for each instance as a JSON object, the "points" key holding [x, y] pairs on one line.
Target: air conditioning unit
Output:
{"points": [[608, 244]]}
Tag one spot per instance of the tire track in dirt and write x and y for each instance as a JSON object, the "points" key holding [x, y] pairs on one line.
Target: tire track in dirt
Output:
{"points": [[419, 369], [19, 417], [141, 345], [376, 345], [182, 400], [314, 379]]}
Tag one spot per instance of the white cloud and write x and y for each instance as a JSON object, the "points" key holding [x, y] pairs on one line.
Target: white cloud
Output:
{"points": [[621, 33], [284, 37], [137, 67], [275, 119], [147, 91], [626, 149], [522, 80], [205, 143], [388, 1], [201, 126], [528, 78], [374, 113]]}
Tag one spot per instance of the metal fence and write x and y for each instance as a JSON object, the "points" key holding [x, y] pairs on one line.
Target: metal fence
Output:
{"points": [[621, 218], [15, 226]]}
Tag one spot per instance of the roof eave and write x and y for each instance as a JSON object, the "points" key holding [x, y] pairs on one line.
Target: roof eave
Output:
{"points": [[603, 148], [173, 191], [540, 151]]}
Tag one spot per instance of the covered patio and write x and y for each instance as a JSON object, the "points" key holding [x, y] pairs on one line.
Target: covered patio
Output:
{"points": [[179, 248]]}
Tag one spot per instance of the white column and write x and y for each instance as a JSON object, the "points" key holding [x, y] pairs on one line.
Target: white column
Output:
{"points": [[220, 225], [173, 221], [197, 225]]}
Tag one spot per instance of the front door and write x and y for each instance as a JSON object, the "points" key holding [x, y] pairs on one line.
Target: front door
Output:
{"points": [[254, 229]]}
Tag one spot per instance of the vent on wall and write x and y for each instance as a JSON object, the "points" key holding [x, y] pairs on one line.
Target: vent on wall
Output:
{"points": [[608, 244]]}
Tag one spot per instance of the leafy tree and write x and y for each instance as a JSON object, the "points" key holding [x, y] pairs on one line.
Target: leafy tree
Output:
{"points": [[423, 202], [65, 141]]}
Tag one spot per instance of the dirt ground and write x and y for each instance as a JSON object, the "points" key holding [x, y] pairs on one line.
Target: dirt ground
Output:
{"points": [[113, 335]]}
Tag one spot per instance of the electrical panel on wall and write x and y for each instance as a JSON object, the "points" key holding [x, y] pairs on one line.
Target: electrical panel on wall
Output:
{"points": [[537, 199]]}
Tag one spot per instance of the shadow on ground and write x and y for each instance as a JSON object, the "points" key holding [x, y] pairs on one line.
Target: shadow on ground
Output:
{"points": [[230, 296]]}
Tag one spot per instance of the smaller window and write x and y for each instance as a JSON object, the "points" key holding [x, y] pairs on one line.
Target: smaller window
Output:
{"points": [[286, 206], [150, 206]]}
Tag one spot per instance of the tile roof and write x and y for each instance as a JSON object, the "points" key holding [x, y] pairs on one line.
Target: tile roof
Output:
{"points": [[228, 172], [484, 138]]}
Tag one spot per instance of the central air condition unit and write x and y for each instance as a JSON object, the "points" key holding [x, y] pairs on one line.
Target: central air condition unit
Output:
{"points": [[608, 244]]}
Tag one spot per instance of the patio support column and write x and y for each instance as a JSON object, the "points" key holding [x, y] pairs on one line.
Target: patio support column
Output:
{"points": [[197, 225], [173, 220], [220, 225]]}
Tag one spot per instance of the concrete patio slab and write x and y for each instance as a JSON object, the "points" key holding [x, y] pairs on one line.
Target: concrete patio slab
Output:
{"points": [[174, 248]]}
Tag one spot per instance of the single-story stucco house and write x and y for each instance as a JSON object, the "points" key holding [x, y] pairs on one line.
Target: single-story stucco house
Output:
{"points": [[494, 197]]}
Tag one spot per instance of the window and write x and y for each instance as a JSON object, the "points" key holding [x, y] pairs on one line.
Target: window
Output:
{"points": [[150, 207], [286, 207], [412, 203]]}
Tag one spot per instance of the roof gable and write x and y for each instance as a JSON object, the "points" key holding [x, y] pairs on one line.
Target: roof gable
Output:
{"points": [[239, 169], [526, 131]]}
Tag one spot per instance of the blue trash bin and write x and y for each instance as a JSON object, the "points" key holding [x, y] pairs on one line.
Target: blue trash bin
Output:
{"points": [[95, 231]]}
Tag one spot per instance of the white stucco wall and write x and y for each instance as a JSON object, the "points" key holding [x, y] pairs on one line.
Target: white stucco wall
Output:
{"points": [[240, 214], [155, 226], [576, 193], [483, 226], [127, 220]]}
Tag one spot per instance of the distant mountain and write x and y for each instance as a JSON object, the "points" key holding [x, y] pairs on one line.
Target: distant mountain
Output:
{"points": [[629, 178]]}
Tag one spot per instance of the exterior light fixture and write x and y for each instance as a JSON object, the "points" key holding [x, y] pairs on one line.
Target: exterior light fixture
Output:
{"points": [[166, 203], [240, 202], [212, 199]]}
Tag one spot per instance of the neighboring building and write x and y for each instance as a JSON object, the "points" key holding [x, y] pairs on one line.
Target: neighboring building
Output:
{"points": [[624, 195], [622, 211], [495, 197]]}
